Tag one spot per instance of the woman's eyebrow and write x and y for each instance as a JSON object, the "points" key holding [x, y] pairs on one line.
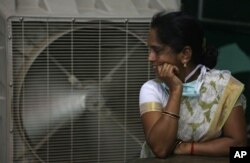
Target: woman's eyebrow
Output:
{"points": [[156, 46]]}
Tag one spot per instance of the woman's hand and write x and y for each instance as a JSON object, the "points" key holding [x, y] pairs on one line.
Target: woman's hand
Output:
{"points": [[183, 148], [168, 74]]}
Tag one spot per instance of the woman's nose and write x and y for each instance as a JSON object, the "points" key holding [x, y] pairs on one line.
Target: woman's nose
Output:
{"points": [[151, 55]]}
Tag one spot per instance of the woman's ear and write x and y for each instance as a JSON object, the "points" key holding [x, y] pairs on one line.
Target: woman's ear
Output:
{"points": [[186, 55]]}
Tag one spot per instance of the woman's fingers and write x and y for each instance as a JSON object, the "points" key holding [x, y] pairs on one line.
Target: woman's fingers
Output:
{"points": [[166, 70], [176, 70], [169, 74], [159, 69]]}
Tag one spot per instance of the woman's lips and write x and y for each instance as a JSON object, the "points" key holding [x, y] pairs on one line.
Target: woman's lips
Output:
{"points": [[154, 67]]}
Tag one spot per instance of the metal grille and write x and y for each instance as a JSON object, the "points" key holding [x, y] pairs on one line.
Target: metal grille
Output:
{"points": [[76, 87]]}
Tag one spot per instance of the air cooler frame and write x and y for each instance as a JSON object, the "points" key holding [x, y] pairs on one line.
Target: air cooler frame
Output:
{"points": [[88, 61], [26, 61]]}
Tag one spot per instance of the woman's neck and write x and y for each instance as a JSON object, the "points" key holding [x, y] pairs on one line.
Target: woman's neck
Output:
{"points": [[187, 73]]}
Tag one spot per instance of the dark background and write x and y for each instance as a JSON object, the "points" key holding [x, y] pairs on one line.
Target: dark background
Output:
{"points": [[227, 26]]}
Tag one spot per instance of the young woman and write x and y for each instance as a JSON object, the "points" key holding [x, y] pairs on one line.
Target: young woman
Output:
{"points": [[190, 108]]}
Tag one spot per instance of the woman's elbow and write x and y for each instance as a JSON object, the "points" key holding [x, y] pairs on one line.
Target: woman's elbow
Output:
{"points": [[161, 152], [240, 142]]}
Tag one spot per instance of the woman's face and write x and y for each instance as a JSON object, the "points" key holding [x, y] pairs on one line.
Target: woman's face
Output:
{"points": [[160, 53]]}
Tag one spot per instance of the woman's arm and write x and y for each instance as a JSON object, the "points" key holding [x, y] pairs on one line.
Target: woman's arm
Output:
{"points": [[234, 134], [161, 129]]}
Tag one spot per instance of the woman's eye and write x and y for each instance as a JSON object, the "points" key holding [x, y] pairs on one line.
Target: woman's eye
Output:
{"points": [[157, 50]]}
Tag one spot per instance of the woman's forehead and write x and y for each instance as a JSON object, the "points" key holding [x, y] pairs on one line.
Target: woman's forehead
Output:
{"points": [[153, 38]]}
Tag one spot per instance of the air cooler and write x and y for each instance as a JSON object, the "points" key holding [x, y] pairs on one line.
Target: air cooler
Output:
{"points": [[71, 72]]}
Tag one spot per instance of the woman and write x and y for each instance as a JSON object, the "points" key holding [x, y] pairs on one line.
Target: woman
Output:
{"points": [[190, 108]]}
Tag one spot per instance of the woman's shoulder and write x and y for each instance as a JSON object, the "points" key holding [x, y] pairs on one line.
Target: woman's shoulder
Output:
{"points": [[154, 86], [218, 75], [153, 91], [152, 83], [221, 78]]}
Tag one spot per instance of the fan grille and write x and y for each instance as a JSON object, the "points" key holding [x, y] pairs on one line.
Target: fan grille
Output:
{"points": [[76, 88]]}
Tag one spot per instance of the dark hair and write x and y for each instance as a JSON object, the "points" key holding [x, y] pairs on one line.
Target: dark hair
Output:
{"points": [[177, 30]]}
